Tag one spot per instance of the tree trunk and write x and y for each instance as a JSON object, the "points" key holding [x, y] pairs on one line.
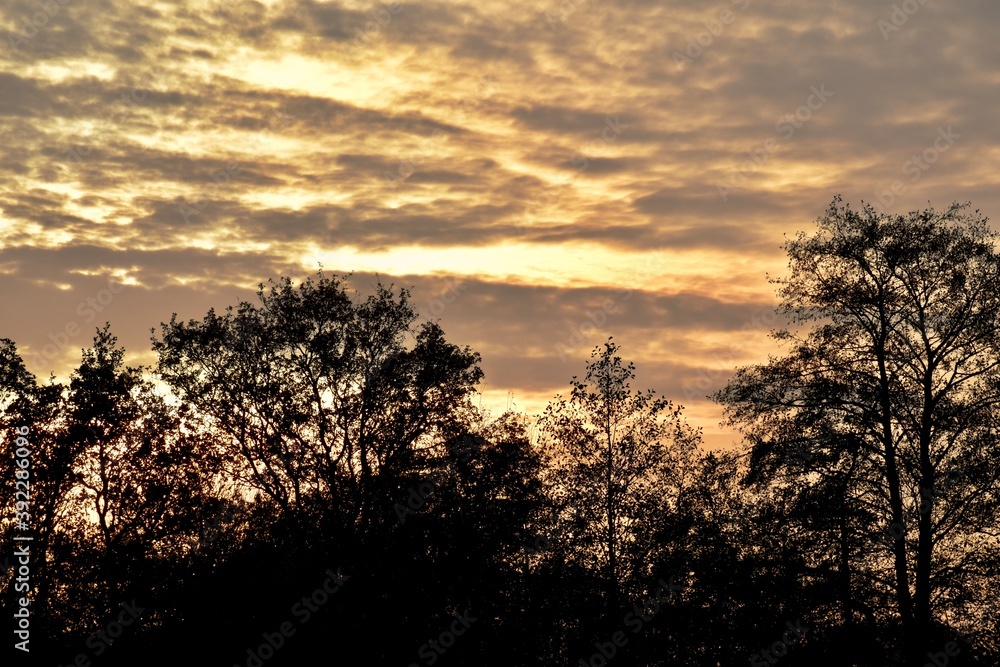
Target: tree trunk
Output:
{"points": [[904, 601], [922, 583], [613, 603]]}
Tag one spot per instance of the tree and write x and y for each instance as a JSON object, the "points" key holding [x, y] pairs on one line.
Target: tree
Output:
{"points": [[114, 488], [317, 400], [620, 459], [139, 485], [41, 408], [890, 403]]}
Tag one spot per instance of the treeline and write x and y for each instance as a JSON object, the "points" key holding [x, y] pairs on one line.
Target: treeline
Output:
{"points": [[315, 483]]}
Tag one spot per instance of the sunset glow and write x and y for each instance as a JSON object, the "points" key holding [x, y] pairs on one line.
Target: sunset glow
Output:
{"points": [[547, 157]]}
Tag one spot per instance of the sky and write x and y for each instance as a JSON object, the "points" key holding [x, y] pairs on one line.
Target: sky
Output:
{"points": [[541, 175]]}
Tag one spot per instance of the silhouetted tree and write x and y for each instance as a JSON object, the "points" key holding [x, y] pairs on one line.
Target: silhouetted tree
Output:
{"points": [[136, 472], [890, 403], [42, 409], [620, 459], [326, 408], [115, 491], [314, 396]]}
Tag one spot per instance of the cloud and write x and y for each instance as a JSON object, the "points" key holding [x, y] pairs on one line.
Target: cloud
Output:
{"points": [[442, 141]]}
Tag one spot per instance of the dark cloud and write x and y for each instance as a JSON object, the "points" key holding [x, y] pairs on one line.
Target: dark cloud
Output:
{"points": [[563, 120], [203, 148]]}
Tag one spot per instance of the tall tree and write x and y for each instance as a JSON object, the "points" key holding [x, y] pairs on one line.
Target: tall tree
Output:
{"points": [[893, 388], [114, 486], [620, 458], [42, 409], [139, 487]]}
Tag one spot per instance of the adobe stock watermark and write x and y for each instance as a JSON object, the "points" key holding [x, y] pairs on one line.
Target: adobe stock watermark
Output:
{"points": [[88, 310], [635, 620], [302, 610], [100, 641], [897, 530], [596, 319], [31, 25], [22, 617], [901, 13], [467, 447], [940, 659], [381, 18], [917, 165], [612, 129], [543, 541], [726, 362], [435, 648], [713, 28], [222, 177], [211, 533], [785, 127], [417, 498], [560, 529], [464, 449], [779, 649], [22, 517], [407, 166], [448, 296], [561, 12], [124, 105], [594, 322]]}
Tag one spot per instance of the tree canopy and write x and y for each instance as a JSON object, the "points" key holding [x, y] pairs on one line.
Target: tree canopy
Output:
{"points": [[316, 460], [891, 387]]}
